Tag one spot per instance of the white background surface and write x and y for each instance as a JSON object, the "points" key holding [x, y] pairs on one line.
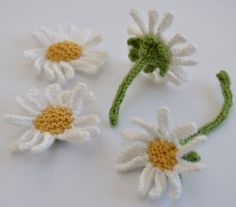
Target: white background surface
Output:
{"points": [[84, 175]]}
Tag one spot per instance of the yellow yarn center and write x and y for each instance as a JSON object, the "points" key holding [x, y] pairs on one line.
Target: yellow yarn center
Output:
{"points": [[54, 119], [162, 154], [63, 51]]}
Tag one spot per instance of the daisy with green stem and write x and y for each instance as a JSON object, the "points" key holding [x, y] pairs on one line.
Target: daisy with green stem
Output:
{"points": [[164, 153], [153, 54]]}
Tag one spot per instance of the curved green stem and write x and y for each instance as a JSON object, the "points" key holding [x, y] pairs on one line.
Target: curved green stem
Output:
{"points": [[120, 94], [224, 80]]}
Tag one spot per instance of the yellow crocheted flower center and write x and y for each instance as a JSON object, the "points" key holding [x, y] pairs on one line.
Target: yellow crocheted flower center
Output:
{"points": [[54, 119], [63, 51], [162, 154]]}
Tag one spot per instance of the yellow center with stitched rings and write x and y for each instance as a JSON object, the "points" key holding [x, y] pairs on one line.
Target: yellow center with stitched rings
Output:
{"points": [[54, 119], [162, 154], [63, 51]]}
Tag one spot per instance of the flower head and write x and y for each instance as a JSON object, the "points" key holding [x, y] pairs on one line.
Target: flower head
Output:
{"points": [[160, 153], [62, 53], [164, 60], [57, 118]]}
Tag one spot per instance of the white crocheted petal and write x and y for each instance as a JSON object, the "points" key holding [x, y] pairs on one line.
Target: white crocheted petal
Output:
{"points": [[153, 17], [92, 130], [152, 76], [72, 32], [175, 184], [92, 60], [21, 121], [186, 51], [84, 66], [177, 39], [136, 162], [152, 130], [133, 30], [62, 33], [96, 53], [58, 72], [28, 109], [68, 70], [48, 70], [133, 136], [41, 39], [34, 54], [163, 121], [182, 62], [186, 166], [146, 179], [83, 36], [33, 96], [65, 98], [51, 92], [93, 42], [52, 36], [86, 120], [165, 22], [75, 134], [23, 138], [191, 145], [180, 73], [173, 78], [84, 98], [131, 151], [45, 143], [139, 20], [184, 131], [159, 185], [35, 139], [38, 64]]}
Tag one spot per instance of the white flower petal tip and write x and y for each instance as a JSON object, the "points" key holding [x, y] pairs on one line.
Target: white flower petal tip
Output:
{"points": [[58, 118], [153, 150], [62, 53]]}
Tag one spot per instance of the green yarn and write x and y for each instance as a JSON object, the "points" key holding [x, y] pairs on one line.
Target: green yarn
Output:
{"points": [[224, 80], [148, 52], [192, 157]]}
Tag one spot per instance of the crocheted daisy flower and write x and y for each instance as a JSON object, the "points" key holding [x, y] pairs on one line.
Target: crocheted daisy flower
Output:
{"points": [[57, 118], [161, 153], [166, 61], [62, 53], [153, 54]]}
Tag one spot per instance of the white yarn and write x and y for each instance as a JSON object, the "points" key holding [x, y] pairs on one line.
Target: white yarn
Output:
{"points": [[139, 19], [152, 130], [22, 121], [139, 161], [175, 184], [60, 71], [191, 145], [47, 141], [176, 39], [133, 136], [184, 130], [19, 101], [83, 128], [153, 180], [153, 17], [158, 186], [146, 178], [165, 22]]}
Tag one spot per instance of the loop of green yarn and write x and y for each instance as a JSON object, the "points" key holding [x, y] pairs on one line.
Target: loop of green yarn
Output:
{"points": [[225, 83]]}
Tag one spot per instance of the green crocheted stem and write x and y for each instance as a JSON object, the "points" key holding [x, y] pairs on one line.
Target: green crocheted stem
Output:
{"points": [[224, 80], [132, 74]]}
